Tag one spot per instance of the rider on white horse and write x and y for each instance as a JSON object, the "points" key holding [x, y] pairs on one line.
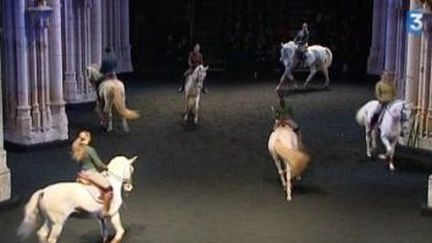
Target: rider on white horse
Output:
{"points": [[91, 168], [301, 40], [195, 59], [385, 93]]}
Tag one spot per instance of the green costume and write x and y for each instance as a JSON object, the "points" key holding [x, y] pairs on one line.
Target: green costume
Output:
{"points": [[283, 112], [92, 161], [385, 91]]}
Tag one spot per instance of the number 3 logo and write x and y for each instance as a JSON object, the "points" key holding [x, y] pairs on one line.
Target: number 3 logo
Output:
{"points": [[415, 22]]}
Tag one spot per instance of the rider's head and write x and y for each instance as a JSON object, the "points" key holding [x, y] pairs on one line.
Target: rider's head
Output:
{"points": [[84, 137], [197, 47], [387, 76], [305, 25]]}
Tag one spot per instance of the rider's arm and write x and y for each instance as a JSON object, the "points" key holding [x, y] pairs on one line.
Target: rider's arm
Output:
{"points": [[190, 59], [96, 160], [378, 91]]}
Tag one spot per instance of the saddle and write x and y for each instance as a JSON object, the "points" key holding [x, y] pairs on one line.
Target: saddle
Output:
{"points": [[99, 193]]}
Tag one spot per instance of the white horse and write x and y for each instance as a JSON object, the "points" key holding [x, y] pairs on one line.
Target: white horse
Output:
{"points": [[55, 203], [317, 58], [193, 86], [390, 126], [287, 151], [112, 91]]}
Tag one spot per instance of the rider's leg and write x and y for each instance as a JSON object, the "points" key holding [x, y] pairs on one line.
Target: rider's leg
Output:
{"points": [[185, 74]]}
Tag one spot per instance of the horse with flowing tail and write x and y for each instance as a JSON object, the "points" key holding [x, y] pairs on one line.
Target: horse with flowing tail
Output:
{"points": [[55, 203], [111, 93], [390, 125], [317, 58], [287, 151], [193, 86]]}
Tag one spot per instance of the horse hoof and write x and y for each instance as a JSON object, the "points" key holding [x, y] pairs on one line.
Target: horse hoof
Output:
{"points": [[391, 167], [369, 155], [382, 156]]}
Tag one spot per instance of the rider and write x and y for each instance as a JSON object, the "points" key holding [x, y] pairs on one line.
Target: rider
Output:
{"points": [[385, 93], [301, 40], [108, 66], [283, 113], [195, 59], [91, 167]]}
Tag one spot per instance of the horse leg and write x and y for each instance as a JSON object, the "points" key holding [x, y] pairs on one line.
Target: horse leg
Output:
{"points": [[281, 80], [43, 231], [104, 229], [125, 125], [55, 232], [278, 164], [196, 110], [116, 222], [326, 75], [312, 73], [368, 143], [288, 181], [390, 147]]}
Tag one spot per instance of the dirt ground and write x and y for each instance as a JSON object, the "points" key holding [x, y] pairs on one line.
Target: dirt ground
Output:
{"points": [[216, 182]]}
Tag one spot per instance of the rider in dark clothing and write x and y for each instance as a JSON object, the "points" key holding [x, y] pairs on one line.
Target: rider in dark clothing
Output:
{"points": [[301, 40], [108, 68]]}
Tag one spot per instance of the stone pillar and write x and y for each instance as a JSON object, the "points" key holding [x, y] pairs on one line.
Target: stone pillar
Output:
{"points": [[390, 48], [96, 25], [376, 55], [413, 58], [70, 83], [5, 177], [59, 118], [401, 49], [23, 118], [125, 37]]}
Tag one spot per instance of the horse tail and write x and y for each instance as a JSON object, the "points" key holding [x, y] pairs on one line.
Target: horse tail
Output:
{"points": [[31, 211], [329, 58], [120, 105], [297, 159], [361, 115]]}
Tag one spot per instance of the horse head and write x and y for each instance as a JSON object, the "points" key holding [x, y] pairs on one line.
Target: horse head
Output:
{"points": [[122, 168], [92, 73], [288, 51]]}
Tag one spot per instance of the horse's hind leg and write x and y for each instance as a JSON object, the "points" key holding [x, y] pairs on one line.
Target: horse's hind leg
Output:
{"points": [[288, 181], [56, 229], [312, 73], [116, 222], [125, 125], [278, 164], [196, 110], [326, 76], [43, 231]]}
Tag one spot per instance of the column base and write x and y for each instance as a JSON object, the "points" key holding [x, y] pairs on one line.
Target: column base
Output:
{"points": [[12, 202]]}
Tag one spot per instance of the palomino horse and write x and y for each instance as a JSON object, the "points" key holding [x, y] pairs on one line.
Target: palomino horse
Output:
{"points": [[390, 126], [193, 86], [318, 58], [287, 151], [58, 201], [112, 91]]}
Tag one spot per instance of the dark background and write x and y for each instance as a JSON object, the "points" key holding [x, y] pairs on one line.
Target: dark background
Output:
{"points": [[242, 37]]}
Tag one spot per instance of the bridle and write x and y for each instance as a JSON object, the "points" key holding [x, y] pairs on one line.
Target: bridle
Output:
{"points": [[122, 178]]}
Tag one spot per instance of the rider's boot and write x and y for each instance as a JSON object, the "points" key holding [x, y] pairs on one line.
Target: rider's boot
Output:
{"points": [[107, 198]]}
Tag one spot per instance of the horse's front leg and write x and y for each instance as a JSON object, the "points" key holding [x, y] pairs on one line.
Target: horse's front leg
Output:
{"points": [[116, 222], [368, 142], [390, 146], [104, 229], [282, 79], [312, 73], [278, 164], [196, 110]]}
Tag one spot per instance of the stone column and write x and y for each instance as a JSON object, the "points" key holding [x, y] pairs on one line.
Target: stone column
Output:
{"points": [[125, 38], [59, 118], [96, 25], [373, 60], [390, 49], [70, 83], [413, 57], [5, 177], [23, 119]]}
